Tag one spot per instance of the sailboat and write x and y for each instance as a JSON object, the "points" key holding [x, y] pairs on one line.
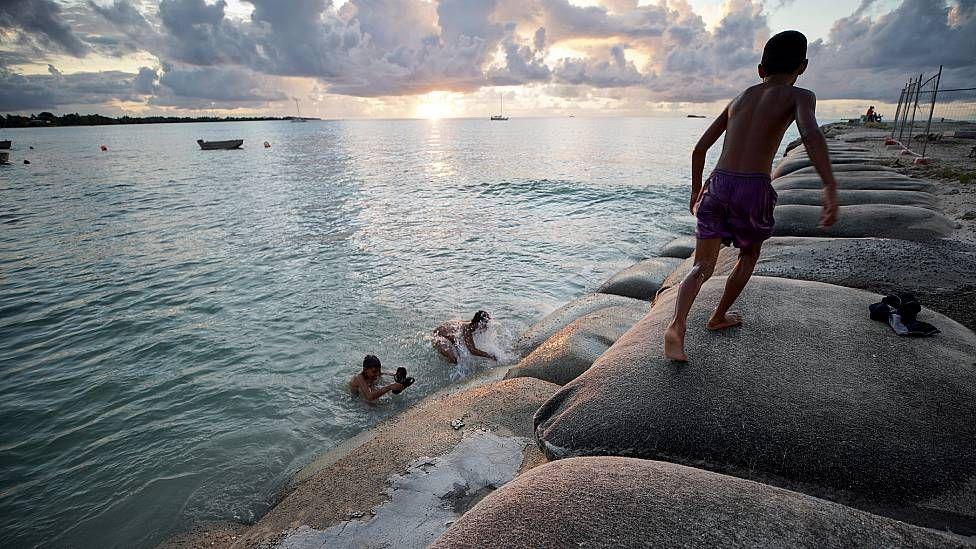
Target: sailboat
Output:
{"points": [[501, 111], [298, 107]]}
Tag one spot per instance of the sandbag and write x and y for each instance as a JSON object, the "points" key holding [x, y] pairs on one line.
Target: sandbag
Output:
{"points": [[859, 180], [539, 332], [864, 220], [340, 488], [680, 247], [623, 502], [810, 393], [939, 272], [791, 164], [641, 280], [871, 167], [573, 349], [847, 197]]}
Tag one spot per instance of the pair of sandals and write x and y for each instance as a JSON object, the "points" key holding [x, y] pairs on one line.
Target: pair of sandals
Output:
{"points": [[401, 377], [900, 311]]}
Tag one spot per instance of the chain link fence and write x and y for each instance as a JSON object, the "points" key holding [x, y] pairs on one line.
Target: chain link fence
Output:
{"points": [[936, 120]]}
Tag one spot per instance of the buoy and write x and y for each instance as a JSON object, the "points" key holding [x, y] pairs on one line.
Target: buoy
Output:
{"points": [[890, 141], [267, 145], [31, 147], [26, 161], [103, 147]]}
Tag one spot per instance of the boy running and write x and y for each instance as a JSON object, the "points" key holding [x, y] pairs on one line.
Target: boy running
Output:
{"points": [[736, 203]]}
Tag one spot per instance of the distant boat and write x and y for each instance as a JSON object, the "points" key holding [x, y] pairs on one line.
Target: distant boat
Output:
{"points": [[696, 116], [5, 144], [4, 157], [215, 145], [298, 108], [501, 111]]}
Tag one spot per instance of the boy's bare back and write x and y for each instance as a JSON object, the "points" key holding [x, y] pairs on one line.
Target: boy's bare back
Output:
{"points": [[757, 120]]}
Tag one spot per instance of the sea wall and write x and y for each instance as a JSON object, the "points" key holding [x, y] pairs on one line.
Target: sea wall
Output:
{"points": [[811, 425]]}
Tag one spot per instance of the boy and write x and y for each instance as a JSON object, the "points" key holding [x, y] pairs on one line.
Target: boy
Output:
{"points": [[363, 383], [736, 203], [448, 338]]}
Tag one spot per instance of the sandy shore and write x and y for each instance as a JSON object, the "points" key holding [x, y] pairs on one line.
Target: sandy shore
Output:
{"points": [[366, 491]]}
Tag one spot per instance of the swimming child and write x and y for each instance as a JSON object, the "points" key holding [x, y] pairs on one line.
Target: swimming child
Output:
{"points": [[736, 203], [451, 336]]}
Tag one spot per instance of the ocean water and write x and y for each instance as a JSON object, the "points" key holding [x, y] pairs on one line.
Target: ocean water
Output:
{"points": [[177, 326]]}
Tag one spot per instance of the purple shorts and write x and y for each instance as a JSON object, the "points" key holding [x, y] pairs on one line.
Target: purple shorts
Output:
{"points": [[736, 207]]}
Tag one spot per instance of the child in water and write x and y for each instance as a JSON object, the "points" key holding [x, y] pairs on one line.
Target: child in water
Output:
{"points": [[363, 384], [736, 203], [449, 338]]}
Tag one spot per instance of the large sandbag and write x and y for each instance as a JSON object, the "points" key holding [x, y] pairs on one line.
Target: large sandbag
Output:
{"points": [[573, 349], [832, 148], [680, 247], [846, 197], [641, 280], [941, 273], [864, 220], [854, 181], [791, 164], [398, 469], [841, 168], [624, 502], [809, 393], [556, 320]]}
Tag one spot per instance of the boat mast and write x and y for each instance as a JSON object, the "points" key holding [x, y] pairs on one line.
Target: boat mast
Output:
{"points": [[298, 107]]}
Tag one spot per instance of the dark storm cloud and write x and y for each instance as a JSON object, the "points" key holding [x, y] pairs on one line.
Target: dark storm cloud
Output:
{"points": [[199, 34], [864, 57], [40, 21], [47, 91], [121, 14]]}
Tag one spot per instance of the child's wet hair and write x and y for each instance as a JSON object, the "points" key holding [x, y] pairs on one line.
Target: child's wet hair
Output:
{"points": [[784, 52], [370, 361]]}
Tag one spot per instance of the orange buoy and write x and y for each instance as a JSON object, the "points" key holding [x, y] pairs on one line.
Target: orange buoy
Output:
{"points": [[104, 148], [267, 145]]}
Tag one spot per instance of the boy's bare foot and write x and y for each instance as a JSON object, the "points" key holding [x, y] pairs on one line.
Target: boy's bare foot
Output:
{"points": [[728, 320], [674, 344]]}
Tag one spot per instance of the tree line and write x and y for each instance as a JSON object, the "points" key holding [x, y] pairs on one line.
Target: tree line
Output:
{"points": [[74, 119]]}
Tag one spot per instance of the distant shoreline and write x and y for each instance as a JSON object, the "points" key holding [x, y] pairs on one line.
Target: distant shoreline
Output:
{"points": [[49, 120]]}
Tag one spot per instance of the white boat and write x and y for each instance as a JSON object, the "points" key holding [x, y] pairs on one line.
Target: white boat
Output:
{"points": [[501, 111], [217, 145]]}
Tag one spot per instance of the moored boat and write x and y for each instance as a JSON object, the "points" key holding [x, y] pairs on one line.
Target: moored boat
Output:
{"points": [[215, 145]]}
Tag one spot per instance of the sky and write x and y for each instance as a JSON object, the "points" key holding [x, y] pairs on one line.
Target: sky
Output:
{"points": [[459, 58]]}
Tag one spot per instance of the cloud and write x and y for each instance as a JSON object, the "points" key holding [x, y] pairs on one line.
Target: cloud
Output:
{"points": [[917, 36], [615, 72], [48, 91], [39, 21], [659, 52]]}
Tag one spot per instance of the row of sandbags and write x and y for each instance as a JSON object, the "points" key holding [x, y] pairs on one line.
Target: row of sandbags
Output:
{"points": [[817, 403], [809, 401]]}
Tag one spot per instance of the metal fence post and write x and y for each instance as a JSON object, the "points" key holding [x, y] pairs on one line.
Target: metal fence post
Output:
{"points": [[904, 111], [911, 125], [894, 124], [928, 125]]}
